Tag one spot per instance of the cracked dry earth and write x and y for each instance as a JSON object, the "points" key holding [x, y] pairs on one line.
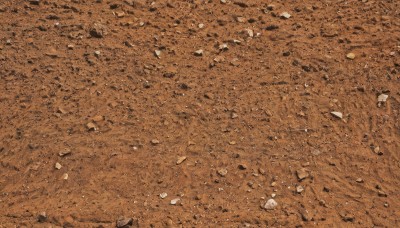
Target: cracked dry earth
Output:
{"points": [[199, 113]]}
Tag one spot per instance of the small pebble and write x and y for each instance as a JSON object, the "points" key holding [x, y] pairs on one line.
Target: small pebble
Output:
{"points": [[223, 47], [42, 217], [285, 15], [261, 171], [91, 126], [163, 195], [180, 160], [350, 56], [271, 204], [382, 193], [302, 174], [222, 172], [299, 189], [64, 152], [198, 52], [382, 98], [249, 32], [157, 53], [58, 166], [337, 114], [98, 118], [175, 201], [124, 222]]}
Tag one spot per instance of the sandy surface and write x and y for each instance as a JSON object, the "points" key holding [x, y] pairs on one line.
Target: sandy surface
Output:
{"points": [[119, 92]]}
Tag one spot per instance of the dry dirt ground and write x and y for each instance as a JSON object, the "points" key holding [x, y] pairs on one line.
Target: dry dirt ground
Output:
{"points": [[100, 101]]}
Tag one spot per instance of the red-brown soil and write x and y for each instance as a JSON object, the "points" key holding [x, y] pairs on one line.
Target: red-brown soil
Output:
{"points": [[83, 76]]}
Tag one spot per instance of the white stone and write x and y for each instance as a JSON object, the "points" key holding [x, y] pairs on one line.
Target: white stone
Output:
{"points": [[58, 166], [175, 201], [337, 114], [285, 15], [198, 52], [163, 195], [382, 98], [271, 204]]}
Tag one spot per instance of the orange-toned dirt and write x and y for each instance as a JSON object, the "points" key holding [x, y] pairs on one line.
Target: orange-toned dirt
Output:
{"points": [[119, 92]]}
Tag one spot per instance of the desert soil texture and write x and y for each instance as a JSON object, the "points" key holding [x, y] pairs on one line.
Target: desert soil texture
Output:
{"points": [[199, 113]]}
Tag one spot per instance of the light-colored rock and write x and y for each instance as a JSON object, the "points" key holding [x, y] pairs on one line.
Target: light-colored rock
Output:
{"points": [[181, 159], [302, 174], [64, 152], [285, 15], [271, 204], [249, 32], [58, 166], [337, 114], [98, 118], [299, 189], [157, 53], [163, 195], [223, 47], [91, 126], [222, 172], [175, 201], [351, 55], [198, 52], [382, 98]]}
